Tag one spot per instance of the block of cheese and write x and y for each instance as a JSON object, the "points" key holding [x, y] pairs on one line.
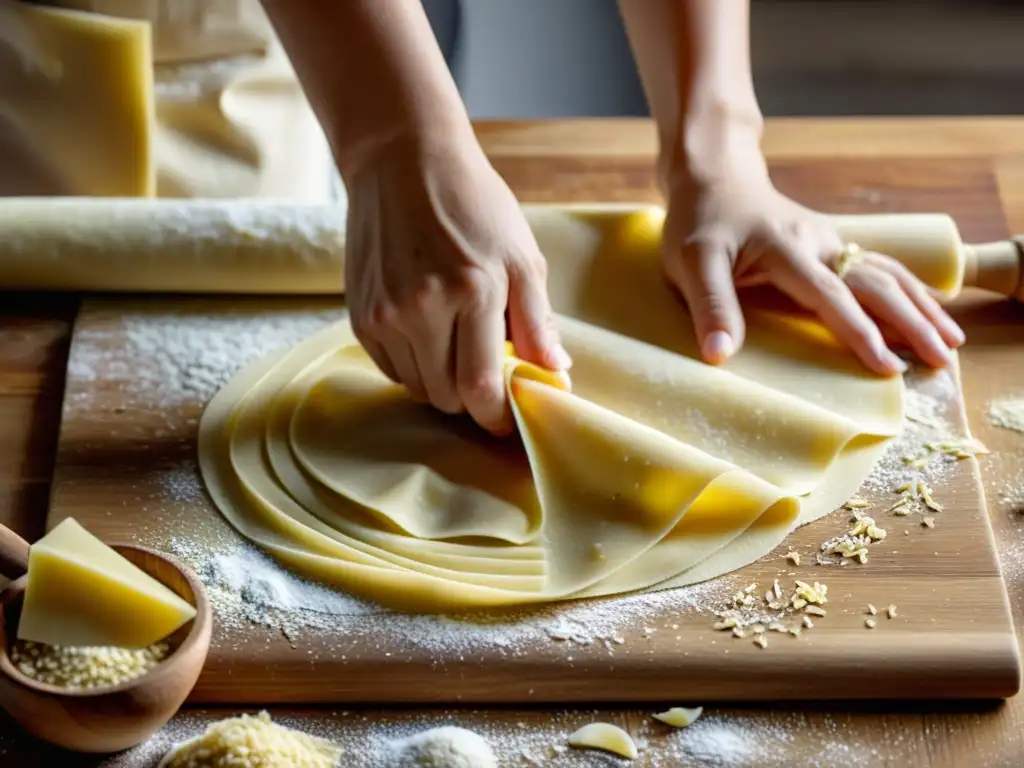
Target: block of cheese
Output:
{"points": [[78, 89], [82, 592]]}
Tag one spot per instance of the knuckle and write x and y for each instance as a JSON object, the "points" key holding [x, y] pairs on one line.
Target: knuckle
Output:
{"points": [[884, 282], [447, 402], [827, 286], [475, 286], [378, 318], [532, 266], [480, 387], [712, 305], [424, 295]]}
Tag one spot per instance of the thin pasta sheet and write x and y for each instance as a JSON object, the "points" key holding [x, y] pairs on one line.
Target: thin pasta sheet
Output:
{"points": [[656, 470]]}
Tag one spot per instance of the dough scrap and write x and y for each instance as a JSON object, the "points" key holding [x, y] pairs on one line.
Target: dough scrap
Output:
{"points": [[674, 470]]}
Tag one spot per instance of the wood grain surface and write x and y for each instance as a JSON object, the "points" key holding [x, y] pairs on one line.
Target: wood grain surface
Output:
{"points": [[971, 168], [129, 423]]}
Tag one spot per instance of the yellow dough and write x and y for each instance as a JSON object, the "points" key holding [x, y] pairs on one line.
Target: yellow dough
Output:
{"points": [[77, 88], [280, 247], [655, 471]]}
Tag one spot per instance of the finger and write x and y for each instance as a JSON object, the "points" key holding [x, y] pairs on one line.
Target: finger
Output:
{"points": [[951, 333], [532, 323], [399, 351], [805, 279], [703, 274], [380, 358], [431, 339], [479, 365], [367, 333], [883, 296]]}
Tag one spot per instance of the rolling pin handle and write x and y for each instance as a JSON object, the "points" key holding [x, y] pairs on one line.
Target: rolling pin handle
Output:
{"points": [[997, 267], [13, 554]]}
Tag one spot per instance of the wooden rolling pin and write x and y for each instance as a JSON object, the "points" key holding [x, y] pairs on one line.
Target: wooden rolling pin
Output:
{"points": [[267, 247]]}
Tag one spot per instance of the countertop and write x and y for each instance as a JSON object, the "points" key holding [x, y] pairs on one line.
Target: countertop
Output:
{"points": [[972, 168]]}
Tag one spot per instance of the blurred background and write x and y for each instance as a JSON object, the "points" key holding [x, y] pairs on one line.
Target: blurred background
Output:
{"points": [[222, 114], [557, 58]]}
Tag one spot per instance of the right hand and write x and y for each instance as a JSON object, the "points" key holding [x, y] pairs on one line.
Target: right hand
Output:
{"points": [[437, 251]]}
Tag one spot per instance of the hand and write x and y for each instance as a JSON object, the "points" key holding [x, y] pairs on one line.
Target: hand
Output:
{"points": [[737, 230], [438, 249]]}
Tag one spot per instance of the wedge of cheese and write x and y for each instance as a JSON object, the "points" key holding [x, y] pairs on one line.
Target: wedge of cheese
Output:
{"points": [[82, 592], [78, 89]]}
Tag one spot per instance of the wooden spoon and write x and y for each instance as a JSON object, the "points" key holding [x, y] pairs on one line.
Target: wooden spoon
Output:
{"points": [[115, 717]]}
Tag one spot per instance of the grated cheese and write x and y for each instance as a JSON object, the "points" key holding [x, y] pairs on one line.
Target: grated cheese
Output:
{"points": [[84, 667], [252, 742]]}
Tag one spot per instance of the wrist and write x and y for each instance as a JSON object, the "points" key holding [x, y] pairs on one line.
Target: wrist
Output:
{"points": [[714, 141], [416, 133]]}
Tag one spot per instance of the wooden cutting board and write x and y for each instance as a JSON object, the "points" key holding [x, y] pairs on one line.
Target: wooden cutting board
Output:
{"points": [[141, 371], [139, 374]]}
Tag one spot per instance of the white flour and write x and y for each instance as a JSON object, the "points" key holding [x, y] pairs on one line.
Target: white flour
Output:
{"points": [[718, 740], [169, 360], [1007, 413], [165, 359], [246, 586]]}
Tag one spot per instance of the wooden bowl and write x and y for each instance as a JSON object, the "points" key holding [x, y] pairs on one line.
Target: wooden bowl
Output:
{"points": [[115, 717]]}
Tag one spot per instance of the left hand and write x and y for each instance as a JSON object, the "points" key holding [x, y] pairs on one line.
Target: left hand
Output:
{"points": [[736, 230]]}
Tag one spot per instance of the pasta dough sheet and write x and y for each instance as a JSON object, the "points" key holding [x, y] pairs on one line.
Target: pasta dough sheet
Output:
{"points": [[655, 471]]}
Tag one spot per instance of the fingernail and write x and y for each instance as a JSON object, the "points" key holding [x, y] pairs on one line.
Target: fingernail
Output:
{"points": [[894, 361], [562, 359], [940, 347], [959, 337], [718, 347], [563, 376]]}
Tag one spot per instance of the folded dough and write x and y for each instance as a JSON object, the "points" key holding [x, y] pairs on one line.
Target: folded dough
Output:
{"points": [[655, 471]]}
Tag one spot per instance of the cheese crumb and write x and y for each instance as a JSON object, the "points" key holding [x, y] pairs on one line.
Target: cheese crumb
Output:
{"points": [[871, 609], [815, 594], [857, 503], [761, 641], [891, 612], [793, 557], [865, 526], [926, 496], [869, 623], [928, 522]]}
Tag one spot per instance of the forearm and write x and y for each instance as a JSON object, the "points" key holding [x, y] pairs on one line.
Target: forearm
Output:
{"points": [[372, 72], [694, 63]]}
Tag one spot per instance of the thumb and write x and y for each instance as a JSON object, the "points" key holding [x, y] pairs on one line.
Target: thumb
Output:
{"points": [[532, 323], [703, 274]]}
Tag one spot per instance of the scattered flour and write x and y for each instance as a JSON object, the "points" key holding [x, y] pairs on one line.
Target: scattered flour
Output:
{"points": [[182, 359], [165, 359], [738, 739], [1007, 413], [248, 587], [931, 395]]}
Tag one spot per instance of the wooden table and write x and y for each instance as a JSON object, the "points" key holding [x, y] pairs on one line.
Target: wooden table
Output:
{"points": [[972, 168]]}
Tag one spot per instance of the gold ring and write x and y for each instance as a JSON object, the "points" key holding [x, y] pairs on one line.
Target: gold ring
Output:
{"points": [[847, 258]]}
